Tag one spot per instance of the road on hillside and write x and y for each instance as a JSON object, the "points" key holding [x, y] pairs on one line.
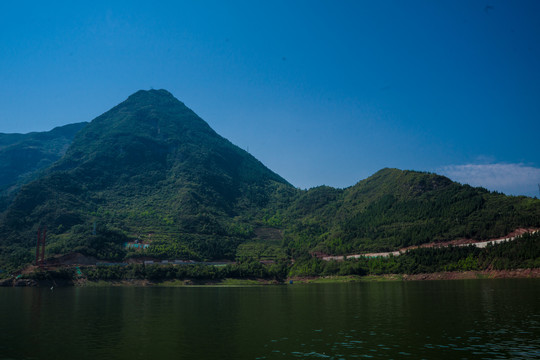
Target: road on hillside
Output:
{"points": [[461, 242]]}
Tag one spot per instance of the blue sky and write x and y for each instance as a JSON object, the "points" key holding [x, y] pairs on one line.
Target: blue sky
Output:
{"points": [[322, 92]]}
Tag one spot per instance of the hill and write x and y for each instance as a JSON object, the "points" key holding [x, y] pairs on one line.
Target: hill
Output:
{"points": [[24, 156], [393, 209], [150, 170]]}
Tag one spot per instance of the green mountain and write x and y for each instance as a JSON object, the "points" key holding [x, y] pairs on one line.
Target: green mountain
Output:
{"points": [[24, 156], [394, 209], [151, 170]]}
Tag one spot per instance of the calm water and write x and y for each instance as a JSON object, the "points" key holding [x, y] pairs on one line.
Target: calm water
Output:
{"points": [[478, 319]]}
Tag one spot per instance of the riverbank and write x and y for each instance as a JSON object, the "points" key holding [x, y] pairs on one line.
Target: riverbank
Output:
{"points": [[55, 283], [447, 275]]}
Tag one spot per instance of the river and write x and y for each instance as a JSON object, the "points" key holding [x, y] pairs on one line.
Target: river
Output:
{"points": [[461, 319]]}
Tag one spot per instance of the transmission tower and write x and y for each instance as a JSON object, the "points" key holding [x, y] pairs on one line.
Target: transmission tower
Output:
{"points": [[40, 247]]}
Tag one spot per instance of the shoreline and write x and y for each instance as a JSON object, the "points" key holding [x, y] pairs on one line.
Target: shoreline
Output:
{"points": [[231, 282], [444, 275]]}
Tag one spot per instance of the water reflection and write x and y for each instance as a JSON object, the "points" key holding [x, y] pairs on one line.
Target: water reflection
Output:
{"points": [[443, 320]]}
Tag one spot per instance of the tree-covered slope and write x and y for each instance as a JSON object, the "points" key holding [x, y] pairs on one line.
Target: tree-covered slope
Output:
{"points": [[394, 209], [148, 169], [23, 156]]}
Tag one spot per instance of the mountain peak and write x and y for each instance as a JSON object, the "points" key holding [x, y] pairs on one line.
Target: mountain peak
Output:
{"points": [[152, 93], [144, 98], [147, 113]]}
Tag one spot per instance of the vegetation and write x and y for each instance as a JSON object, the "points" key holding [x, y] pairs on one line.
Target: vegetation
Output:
{"points": [[158, 272], [150, 170], [521, 253], [24, 156], [395, 209]]}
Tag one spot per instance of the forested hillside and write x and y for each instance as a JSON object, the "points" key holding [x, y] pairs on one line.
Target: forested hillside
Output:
{"points": [[150, 170], [24, 156], [394, 209]]}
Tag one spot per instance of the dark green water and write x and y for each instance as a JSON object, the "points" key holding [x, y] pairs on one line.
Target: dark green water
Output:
{"points": [[478, 319]]}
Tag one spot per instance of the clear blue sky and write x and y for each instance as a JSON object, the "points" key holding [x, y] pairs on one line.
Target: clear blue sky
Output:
{"points": [[322, 92]]}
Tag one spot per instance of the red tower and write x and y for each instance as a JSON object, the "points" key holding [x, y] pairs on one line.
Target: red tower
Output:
{"points": [[40, 247]]}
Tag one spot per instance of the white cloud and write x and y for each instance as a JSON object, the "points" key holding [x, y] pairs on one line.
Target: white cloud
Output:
{"points": [[512, 179]]}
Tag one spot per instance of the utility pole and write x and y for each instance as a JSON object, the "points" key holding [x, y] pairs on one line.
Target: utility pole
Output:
{"points": [[40, 247]]}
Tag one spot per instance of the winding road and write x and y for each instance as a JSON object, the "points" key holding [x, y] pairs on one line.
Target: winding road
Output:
{"points": [[462, 242]]}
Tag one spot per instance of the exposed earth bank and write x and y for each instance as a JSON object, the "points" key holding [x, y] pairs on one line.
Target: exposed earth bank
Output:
{"points": [[445, 275], [484, 274]]}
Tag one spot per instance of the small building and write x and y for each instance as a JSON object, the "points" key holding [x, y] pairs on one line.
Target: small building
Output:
{"points": [[136, 245]]}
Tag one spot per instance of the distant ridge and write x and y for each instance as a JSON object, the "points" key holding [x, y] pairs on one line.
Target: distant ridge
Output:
{"points": [[23, 156]]}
